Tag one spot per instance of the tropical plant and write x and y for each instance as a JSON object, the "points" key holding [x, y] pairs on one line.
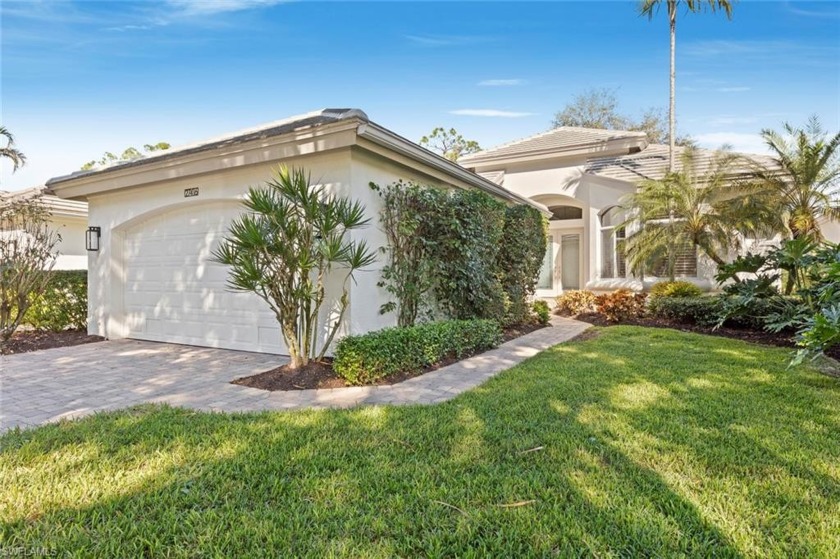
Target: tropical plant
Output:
{"points": [[294, 237], [574, 302], [649, 8], [802, 186], [697, 206], [449, 143], [27, 254], [10, 152], [678, 288], [621, 304]]}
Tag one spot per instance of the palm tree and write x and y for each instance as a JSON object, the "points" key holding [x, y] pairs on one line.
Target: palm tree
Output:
{"points": [[698, 206], [649, 8], [17, 157], [803, 186]]}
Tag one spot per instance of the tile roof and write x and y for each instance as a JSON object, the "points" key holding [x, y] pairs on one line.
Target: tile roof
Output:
{"points": [[652, 163], [57, 206], [557, 139]]}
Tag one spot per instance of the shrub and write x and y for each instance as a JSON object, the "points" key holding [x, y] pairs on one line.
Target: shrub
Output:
{"points": [[703, 311], [621, 305], [63, 303], [677, 288], [575, 302], [541, 309], [520, 258], [376, 355]]}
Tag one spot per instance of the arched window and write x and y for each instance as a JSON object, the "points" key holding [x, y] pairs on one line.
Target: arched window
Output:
{"points": [[612, 257], [559, 213]]}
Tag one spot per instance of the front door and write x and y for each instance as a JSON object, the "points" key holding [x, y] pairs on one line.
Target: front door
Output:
{"points": [[561, 266]]}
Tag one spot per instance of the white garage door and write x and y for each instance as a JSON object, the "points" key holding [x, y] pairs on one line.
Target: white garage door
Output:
{"points": [[175, 293]]}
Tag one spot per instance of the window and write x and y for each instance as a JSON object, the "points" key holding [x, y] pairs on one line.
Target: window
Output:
{"points": [[612, 257], [546, 280], [559, 213]]}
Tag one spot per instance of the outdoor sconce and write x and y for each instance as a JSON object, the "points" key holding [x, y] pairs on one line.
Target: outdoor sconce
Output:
{"points": [[92, 238]]}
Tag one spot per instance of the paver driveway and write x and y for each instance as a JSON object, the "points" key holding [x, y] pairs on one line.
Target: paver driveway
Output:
{"points": [[68, 382], [72, 381]]}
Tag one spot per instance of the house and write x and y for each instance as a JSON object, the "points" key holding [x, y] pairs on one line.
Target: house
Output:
{"points": [[161, 217], [582, 176], [68, 218]]}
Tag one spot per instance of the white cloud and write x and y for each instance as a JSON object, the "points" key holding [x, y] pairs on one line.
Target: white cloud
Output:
{"points": [[446, 40], [490, 113], [735, 89], [745, 143], [501, 83], [206, 7]]}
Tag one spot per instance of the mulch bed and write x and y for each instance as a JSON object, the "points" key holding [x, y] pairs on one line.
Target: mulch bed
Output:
{"points": [[33, 340], [321, 375], [780, 339]]}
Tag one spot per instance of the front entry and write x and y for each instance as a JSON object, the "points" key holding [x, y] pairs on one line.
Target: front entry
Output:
{"points": [[562, 264]]}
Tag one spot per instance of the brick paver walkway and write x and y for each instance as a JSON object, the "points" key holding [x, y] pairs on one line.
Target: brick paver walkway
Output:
{"points": [[69, 382]]}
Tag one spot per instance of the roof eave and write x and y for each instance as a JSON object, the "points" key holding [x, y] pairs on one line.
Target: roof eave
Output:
{"points": [[603, 148]]}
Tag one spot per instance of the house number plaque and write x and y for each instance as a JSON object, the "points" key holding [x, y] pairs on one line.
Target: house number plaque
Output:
{"points": [[190, 192]]}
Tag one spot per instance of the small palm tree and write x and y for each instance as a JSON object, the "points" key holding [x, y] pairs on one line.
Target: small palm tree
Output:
{"points": [[802, 188], [294, 239], [649, 8], [10, 152], [698, 206]]}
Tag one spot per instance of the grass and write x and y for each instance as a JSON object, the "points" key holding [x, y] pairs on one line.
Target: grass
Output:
{"points": [[640, 442]]}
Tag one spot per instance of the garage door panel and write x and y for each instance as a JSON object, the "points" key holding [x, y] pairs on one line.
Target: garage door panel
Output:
{"points": [[173, 292]]}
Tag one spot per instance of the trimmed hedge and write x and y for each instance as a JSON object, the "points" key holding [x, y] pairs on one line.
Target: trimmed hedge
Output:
{"points": [[367, 358], [703, 311], [708, 310], [62, 305]]}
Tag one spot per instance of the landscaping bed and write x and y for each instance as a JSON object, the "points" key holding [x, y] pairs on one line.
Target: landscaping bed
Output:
{"points": [[320, 374], [33, 340]]}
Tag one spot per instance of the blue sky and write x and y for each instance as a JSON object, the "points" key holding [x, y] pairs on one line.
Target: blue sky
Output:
{"points": [[83, 77]]}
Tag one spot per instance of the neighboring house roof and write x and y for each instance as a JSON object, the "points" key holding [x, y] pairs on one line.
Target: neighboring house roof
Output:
{"points": [[557, 141], [303, 124], [652, 163], [58, 207]]}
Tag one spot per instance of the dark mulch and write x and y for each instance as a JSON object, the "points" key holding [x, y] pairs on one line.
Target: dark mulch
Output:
{"points": [[781, 339], [33, 340], [321, 375]]}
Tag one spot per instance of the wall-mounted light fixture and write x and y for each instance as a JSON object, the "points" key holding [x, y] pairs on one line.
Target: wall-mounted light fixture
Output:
{"points": [[92, 238]]}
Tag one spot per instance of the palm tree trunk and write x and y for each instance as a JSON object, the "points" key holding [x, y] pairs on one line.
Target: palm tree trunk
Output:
{"points": [[672, 108]]}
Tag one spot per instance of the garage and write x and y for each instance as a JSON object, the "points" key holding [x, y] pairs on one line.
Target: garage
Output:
{"points": [[155, 222], [174, 292]]}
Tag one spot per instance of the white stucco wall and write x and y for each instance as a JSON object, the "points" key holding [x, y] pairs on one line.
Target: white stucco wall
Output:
{"points": [[71, 249]]}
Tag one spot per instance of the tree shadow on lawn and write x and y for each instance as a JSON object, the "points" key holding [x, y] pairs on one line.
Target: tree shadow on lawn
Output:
{"points": [[615, 475]]}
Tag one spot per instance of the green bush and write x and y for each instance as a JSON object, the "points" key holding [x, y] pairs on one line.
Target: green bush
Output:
{"points": [[677, 288], [703, 311], [367, 358], [62, 305], [575, 302], [542, 311], [520, 258]]}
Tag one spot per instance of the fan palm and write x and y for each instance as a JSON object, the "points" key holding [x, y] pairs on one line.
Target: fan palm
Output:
{"points": [[698, 206], [802, 187], [649, 8], [16, 156]]}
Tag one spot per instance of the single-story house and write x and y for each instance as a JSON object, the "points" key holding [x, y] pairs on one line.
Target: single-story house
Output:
{"points": [[582, 175], [160, 218], [68, 218]]}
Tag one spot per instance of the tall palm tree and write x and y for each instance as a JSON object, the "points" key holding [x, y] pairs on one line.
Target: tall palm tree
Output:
{"points": [[649, 8], [17, 157], [698, 206], [802, 188]]}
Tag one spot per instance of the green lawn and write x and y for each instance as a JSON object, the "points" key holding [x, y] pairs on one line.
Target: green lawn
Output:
{"points": [[653, 443]]}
